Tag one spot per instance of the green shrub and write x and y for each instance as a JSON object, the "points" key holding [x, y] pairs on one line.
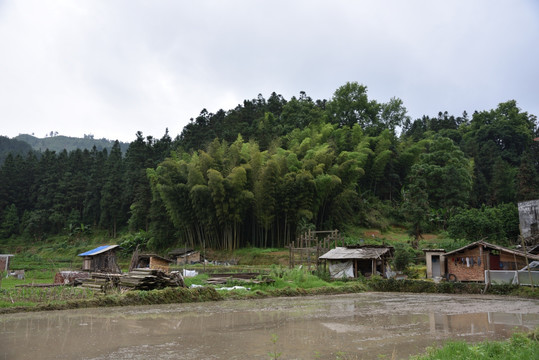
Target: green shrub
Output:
{"points": [[402, 258]]}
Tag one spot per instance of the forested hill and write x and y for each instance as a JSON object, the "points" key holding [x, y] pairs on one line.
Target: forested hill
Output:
{"points": [[267, 170], [12, 146], [58, 143]]}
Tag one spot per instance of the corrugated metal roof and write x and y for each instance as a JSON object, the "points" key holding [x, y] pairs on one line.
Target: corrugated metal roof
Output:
{"points": [[342, 253], [495, 247], [177, 252], [98, 250]]}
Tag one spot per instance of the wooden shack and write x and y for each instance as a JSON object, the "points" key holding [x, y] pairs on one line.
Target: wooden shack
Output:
{"points": [[152, 261], [185, 256], [101, 259], [470, 262], [435, 261], [349, 262]]}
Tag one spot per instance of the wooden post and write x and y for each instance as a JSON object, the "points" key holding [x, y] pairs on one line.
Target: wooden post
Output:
{"points": [[488, 267], [291, 262], [526, 257], [317, 255]]}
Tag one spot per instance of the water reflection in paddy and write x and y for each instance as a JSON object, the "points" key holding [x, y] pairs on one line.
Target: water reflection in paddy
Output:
{"points": [[366, 325]]}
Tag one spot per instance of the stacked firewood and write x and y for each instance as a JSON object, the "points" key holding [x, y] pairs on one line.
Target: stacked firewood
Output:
{"points": [[100, 281], [138, 279], [149, 279]]}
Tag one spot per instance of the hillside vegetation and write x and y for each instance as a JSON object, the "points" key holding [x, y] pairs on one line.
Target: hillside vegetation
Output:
{"points": [[264, 172], [59, 143], [12, 146]]}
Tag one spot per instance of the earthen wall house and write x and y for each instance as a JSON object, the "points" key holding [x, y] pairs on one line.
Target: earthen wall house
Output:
{"points": [[158, 263]]}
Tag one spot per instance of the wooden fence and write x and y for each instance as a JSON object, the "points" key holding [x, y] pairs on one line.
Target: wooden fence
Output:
{"points": [[310, 246]]}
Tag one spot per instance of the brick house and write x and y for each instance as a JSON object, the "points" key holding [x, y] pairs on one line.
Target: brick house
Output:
{"points": [[470, 262]]}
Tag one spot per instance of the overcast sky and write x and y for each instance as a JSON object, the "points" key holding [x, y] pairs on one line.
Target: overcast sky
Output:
{"points": [[111, 68]]}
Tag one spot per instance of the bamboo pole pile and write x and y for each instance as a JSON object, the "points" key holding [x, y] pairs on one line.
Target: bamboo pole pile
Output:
{"points": [[138, 279]]}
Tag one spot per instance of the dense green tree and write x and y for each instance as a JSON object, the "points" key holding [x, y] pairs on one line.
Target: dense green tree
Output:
{"points": [[393, 114], [91, 213], [527, 178], [416, 205], [350, 105], [10, 222], [447, 174], [496, 224], [112, 213]]}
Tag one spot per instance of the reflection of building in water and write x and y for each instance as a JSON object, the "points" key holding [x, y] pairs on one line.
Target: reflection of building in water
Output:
{"points": [[479, 323], [460, 323], [526, 320]]}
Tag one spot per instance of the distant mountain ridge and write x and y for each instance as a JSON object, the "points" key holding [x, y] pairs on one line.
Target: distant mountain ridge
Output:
{"points": [[13, 146], [59, 142]]}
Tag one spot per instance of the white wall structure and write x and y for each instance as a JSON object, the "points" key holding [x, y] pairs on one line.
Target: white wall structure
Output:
{"points": [[528, 214]]}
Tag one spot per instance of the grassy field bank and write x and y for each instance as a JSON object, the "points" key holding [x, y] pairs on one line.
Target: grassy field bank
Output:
{"points": [[286, 282], [520, 346]]}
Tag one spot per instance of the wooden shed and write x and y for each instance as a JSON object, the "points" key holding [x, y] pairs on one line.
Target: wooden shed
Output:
{"points": [[152, 261], [470, 262], [185, 256], [366, 260], [101, 259]]}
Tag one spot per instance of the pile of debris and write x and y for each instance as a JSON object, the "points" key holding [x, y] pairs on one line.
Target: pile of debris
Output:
{"points": [[150, 279], [139, 279], [69, 277]]}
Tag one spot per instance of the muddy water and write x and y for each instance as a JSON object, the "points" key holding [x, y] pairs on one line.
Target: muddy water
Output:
{"points": [[362, 326]]}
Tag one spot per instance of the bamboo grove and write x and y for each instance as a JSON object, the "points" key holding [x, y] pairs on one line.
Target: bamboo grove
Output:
{"points": [[267, 170]]}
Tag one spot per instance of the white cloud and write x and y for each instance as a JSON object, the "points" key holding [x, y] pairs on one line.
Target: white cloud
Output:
{"points": [[112, 68]]}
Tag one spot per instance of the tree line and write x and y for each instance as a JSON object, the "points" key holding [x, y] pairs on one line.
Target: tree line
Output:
{"points": [[267, 170]]}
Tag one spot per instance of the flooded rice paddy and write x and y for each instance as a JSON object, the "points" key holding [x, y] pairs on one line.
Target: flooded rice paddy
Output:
{"points": [[362, 326]]}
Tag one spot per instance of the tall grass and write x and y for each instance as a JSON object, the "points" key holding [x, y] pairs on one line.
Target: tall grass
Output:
{"points": [[31, 296], [520, 346]]}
